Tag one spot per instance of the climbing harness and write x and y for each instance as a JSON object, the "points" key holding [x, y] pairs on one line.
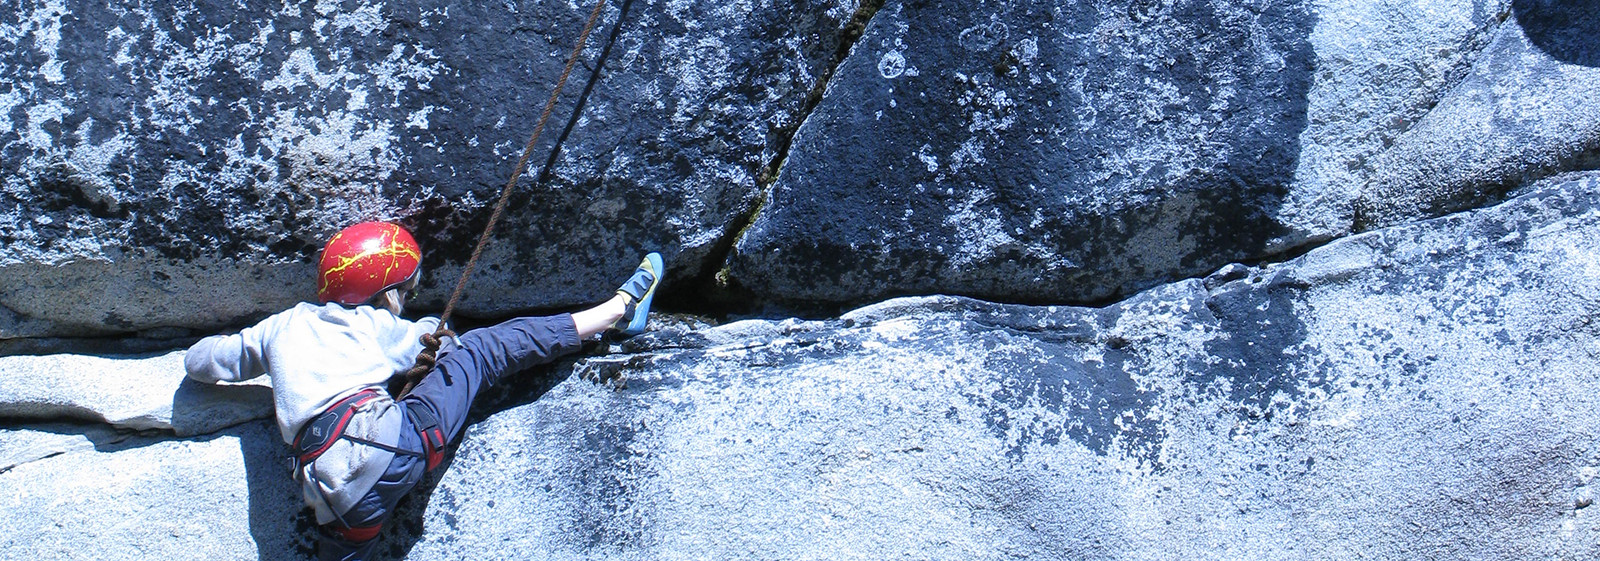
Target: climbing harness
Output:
{"points": [[318, 435], [433, 436], [430, 342]]}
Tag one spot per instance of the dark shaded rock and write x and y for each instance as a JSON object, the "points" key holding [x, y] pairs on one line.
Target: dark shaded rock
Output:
{"points": [[1564, 29], [1074, 153], [180, 163], [1042, 152]]}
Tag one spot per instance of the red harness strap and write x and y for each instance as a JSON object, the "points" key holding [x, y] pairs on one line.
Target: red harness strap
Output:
{"points": [[357, 535], [324, 430], [433, 437]]}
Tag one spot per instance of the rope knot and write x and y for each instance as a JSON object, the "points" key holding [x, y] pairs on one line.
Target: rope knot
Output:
{"points": [[426, 360]]}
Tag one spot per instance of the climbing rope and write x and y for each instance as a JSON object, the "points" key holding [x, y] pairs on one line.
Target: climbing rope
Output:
{"points": [[430, 342]]}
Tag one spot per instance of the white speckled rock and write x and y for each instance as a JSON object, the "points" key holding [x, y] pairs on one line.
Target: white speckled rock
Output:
{"points": [[1419, 392], [1529, 108], [1381, 66], [181, 163]]}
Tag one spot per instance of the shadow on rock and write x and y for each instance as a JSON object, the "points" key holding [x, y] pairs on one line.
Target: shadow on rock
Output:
{"points": [[109, 347], [1051, 155], [1564, 29], [406, 526], [1263, 319], [201, 408], [280, 524]]}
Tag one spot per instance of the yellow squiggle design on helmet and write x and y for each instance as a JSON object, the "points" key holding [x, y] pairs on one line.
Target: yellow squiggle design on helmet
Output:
{"points": [[386, 247]]}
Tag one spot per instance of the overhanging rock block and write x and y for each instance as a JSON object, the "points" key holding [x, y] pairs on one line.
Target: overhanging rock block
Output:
{"points": [[180, 163]]}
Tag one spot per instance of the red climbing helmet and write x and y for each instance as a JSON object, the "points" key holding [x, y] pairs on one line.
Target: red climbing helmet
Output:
{"points": [[365, 259]]}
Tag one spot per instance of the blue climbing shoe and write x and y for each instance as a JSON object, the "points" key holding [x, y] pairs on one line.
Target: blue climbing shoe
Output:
{"points": [[638, 292]]}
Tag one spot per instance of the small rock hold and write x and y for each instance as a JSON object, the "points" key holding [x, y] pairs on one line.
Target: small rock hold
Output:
{"points": [[1225, 275]]}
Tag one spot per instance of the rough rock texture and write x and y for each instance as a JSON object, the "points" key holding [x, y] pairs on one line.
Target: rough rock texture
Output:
{"points": [[1418, 392], [224, 496], [173, 167], [21, 446], [131, 392], [1381, 66], [1423, 392], [1530, 108], [1075, 151], [180, 163]]}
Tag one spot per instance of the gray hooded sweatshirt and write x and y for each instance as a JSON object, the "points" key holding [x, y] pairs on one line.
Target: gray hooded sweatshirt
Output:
{"points": [[316, 356]]}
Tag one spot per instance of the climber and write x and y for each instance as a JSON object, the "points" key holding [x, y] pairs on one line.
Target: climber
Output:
{"points": [[357, 451]]}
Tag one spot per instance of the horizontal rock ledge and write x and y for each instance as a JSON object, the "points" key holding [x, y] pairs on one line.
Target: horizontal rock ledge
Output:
{"points": [[139, 392]]}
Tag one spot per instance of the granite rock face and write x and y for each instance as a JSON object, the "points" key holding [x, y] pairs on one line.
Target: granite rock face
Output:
{"points": [[171, 168], [1529, 108], [1418, 384], [1416, 392], [222, 496], [179, 164], [1069, 152], [997, 151], [1422, 392]]}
